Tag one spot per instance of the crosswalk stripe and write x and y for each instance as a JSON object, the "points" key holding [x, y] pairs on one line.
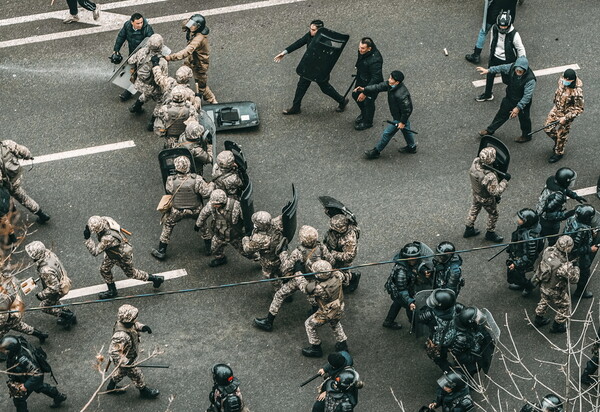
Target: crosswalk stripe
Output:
{"points": [[78, 152]]}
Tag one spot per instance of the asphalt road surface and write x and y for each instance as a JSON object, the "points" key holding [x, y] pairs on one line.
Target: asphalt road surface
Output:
{"points": [[56, 97]]}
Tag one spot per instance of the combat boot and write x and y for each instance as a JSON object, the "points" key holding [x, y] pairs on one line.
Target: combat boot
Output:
{"points": [[161, 252], [372, 154], [126, 95], [558, 327], [470, 231], [66, 318], [313, 351], [493, 237], [540, 321], [137, 107], [42, 217], [40, 335], [58, 399], [341, 346], [156, 280], [354, 280], [474, 57], [150, 125], [391, 325], [218, 262], [110, 293], [113, 389], [148, 393], [207, 243], [265, 324]]}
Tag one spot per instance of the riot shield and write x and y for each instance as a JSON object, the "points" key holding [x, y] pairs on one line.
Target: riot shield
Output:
{"points": [[233, 115], [598, 188], [240, 160], [491, 333], [502, 153], [247, 205], [425, 265], [289, 216], [491, 324], [209, 126], [421, 329], [166, 158], [322, 55], [335, 207]]}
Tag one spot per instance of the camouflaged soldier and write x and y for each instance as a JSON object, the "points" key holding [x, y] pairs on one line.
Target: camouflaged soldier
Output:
{"points": [[196, 54], [568, 104], [11, 174], [172, 117], [342, 241], [226, 225], [187, 190], [266, 239], [117, 251], [55, 282], [144, 78], [167, 83], [299, 261], [198, 141], [553, 274], [486, 194], [123, 351], [225, 175]]}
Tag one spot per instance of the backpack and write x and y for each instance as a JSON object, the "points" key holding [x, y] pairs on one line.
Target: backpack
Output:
{"points": [[39, 355], [232, 403]]}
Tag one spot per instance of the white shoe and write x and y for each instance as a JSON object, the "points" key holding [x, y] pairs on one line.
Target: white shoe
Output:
{"points": [[71, 18], [96, 13]]}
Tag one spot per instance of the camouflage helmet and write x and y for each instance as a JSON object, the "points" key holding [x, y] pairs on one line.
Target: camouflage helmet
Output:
{"points": [[96, 223], [155, 43], [487, 155], [194, 131], [262, 220], [218, 196], [308, 236], [564, 244], [183, 75], [178, 94], [127, 314], [322, 266], [225, 159], [36, 250], [182, 164], [339, 223]]}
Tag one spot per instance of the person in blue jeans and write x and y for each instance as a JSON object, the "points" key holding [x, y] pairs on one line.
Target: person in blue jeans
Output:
{"points": [[401, 108]]}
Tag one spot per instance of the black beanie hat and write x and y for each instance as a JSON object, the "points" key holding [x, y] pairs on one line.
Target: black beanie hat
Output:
{"points": [[398, 76], [336, 360], [570, 74]]}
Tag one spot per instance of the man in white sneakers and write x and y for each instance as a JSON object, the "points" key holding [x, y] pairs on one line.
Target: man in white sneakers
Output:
{"points": [[86, 4]]}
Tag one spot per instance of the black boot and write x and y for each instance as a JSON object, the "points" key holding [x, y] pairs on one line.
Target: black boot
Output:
{"points": [[218, 262], [156, 280], [126, 95], [113, 389], [42, 217], [161, 252], [207, 243], [137, 107], [470, 231], [582, 293], [558, 327], [265, 324], [475, 57], [341, 346], [354, 280], [150, 125], [58, 399], [540, 321], [66, 318], [40, 335], [390, 324], [313, 351], [110, 293], [372, 154], [493, 237], [148, 393]]}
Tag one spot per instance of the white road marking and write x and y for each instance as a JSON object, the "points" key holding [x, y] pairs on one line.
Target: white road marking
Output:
{"points": [[586, 191], [79, 152], [538, 73], [110, 26], [121, 284]]}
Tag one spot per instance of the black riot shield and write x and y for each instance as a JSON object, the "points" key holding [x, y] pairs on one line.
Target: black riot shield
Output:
{"points": [[289, 216], [335, 207], [322, 55], [166, 158], [233, 115], [502, 153], [240, 160], [424, 268], [247, 205], [210, 130], [421, 329]]}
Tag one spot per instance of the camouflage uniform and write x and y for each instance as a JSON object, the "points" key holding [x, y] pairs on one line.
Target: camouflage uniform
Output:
{"points": [[342, 241], [568, 104], [11, 172], [10, 300], [144, 80], [225, 175], [199, 142], [486, 190], [167, 84], [172, 117]]}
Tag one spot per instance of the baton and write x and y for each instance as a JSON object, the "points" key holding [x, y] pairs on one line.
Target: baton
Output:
{"points": [[395, 123], [545, 127], [153, 366], [351, 85], [309, 380], [493, 169], [502, 250]]}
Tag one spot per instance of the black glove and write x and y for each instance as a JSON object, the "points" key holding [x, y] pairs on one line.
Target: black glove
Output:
{"points": [[86, 232], [498, 199], [570, 213], [39, 296], [146, 328], [581, 199], [196, 228], [298, 266], [116, 58], [507, 176], [155, 60]]}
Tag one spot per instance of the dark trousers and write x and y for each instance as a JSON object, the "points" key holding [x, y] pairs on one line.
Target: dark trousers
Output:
{"points": [[550, 228], [86, 4], [584, 275], [304, 84], [318, 406], [395, 309], [517, 276], [489, 78], [367, 107], [48, 390], [504, 113]]}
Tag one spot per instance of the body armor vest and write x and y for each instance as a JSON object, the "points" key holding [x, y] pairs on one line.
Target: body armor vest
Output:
{"points": [[134, 337], [310, 255], [11, 167], [222, 220], [186, 196], [333, 289], [51, 261], [477, 175], [178, 114]]}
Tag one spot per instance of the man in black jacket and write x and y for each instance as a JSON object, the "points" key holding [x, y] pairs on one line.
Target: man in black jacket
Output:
{"points": [[400, 107], [368, 72], [134, 31], [304, 84]]}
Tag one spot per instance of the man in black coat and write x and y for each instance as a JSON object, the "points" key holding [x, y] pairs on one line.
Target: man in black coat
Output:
{"points": [[304, 84], [400, 107], [368, 72]]}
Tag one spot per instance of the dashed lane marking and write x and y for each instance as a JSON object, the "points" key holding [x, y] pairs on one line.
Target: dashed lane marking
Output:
{"points": [[538, 73], [79, 152], [586, 191]]}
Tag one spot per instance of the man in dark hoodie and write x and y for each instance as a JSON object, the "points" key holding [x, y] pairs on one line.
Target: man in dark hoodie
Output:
{"points": [[368, 72], [517, 102]]}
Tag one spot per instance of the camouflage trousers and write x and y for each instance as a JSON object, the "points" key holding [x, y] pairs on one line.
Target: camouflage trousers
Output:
{"points": [[171, 218], [559, 301], [149, 92], [15, 323], [135, 374], [271, 269], [320, 319], [19, 194], [51, 300], [559, 133], [202, 87], [125, 262], [287, 289], [217, 246], [491, 207]]}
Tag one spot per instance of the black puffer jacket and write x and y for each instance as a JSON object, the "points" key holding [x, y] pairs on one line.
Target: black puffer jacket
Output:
{"points": [[369, 68], [399, 99], [133, 37]]}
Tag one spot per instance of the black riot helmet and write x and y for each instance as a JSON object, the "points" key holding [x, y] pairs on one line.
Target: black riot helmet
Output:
{"points": [[551, 403], [584, 214], [442, 299], [503, 22], [345, 380], [410, 250], [198, 21], [529, 217], [448, 249], [469, 318], [222, 374], [565, 177], [10, 345], [452, 380]]}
